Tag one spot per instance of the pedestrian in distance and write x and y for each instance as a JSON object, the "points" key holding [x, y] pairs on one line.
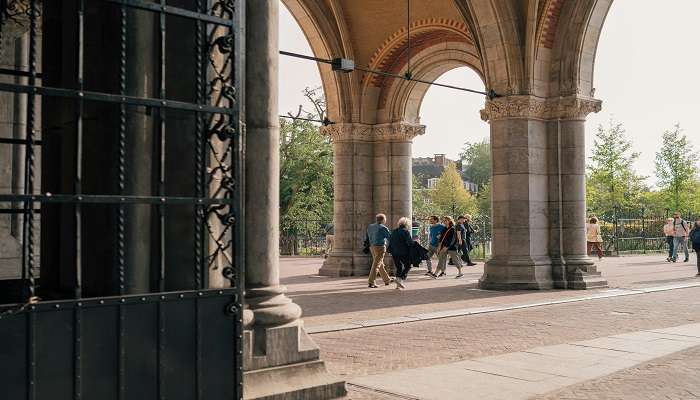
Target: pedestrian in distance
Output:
{"points": [[415, 230], [330, 239], [680, 237], [450, 242], [400, 244], [594, 239], [466, 229], [435, 231], [377, 236], [668, 232], [695, 241]]}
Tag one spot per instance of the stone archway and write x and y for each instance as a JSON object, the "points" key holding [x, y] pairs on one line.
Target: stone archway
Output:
{"points": [[543, 71]]}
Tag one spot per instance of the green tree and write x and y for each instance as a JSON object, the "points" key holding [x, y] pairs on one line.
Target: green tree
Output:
{"points": [[476, 162], [675, 169], [306, 170], [450, 196], [483, 199], [611, 179]]}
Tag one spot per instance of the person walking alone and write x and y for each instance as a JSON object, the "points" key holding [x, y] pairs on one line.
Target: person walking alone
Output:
{"points": [[377, 236], [450, 241], [695, 240], [668, 231], [400, 244], [680, 237], [593, 237], [436, 230]]}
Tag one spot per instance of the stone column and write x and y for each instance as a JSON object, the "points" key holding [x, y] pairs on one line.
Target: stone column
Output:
{"points": [[520, 251], [352, 198], [568, 133], [276, 347], [372, 174], [393, 165]]}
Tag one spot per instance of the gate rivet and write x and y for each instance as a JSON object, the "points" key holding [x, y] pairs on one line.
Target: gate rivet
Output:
{"points": [[143, 299], [182, 296], [102, 301], [123, 300], [79, 304], [162, 297], [200, 293], [57, 306]]}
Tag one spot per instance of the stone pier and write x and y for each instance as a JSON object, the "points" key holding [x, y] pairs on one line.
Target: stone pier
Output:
{"points": [[280, 359]]}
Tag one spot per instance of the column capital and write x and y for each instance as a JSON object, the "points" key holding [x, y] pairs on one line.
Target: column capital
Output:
{"points": [[397, 132], [357, 132], [539, 108]]}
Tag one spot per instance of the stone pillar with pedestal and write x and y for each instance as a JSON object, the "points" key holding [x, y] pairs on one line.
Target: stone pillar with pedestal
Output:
{"points": [[572, 268], [372, 174], [352, 201], [538, 187], [280, 359]]}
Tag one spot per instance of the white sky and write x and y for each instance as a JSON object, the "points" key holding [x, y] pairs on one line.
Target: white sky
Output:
{"points": [[647, 74]]}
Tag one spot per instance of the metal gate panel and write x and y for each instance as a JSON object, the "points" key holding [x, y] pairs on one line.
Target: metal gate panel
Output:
{"points": [[175, 346]]}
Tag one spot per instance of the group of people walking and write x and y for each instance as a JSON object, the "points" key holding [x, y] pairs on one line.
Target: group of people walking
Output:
{"points": [[678, 233], [446, 240]]}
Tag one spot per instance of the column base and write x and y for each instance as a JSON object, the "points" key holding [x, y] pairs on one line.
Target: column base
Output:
{"points": [[517, 273], [346, 264], [578, 273], [282, 363]]}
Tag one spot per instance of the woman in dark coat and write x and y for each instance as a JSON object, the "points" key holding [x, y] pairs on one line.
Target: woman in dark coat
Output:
{"points": [[400, 244]]}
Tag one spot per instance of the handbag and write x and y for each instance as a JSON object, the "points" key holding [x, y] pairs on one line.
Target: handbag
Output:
{"points": [[365, 245]]}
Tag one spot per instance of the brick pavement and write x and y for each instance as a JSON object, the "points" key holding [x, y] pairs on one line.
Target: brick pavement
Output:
{"points": [[376, 350], [327, 301], [674, 377]]}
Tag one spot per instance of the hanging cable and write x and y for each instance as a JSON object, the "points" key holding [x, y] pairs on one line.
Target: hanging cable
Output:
{"points": [[347, 65], [324, 121]]}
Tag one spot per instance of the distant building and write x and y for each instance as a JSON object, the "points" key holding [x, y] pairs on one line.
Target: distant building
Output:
{"points": [[429, 169]]}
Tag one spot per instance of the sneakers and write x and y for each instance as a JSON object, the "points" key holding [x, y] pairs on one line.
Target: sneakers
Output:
{"points": [[389, 283], [441, 274], [459, 275], [432, 275], [686, 260], [471, 264], [399, 283], [429, 273], [372, 285]]}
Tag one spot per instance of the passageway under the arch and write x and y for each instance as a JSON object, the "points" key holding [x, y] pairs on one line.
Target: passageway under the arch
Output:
{"points": [[543, 73]]}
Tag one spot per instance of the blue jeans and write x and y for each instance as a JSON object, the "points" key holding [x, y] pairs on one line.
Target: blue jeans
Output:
{"points": [[679, 242]]}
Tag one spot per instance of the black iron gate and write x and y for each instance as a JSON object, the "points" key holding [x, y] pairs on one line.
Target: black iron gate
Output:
{"points": [[126, 199]]}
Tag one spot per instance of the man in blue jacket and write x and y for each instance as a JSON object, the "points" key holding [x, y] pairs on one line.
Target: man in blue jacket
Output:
{"points": [[377, 235], [436, 229]]}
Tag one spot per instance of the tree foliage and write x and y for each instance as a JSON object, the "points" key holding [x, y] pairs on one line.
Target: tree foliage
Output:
{"points": [[476, 162], [306, 170], [450, 197], [611, 179], [676, 170]]}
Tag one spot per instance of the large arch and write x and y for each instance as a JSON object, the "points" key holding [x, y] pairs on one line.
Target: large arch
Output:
{"points": [[543, 72]]}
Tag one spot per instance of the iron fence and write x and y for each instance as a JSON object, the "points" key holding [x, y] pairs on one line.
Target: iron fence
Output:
{"points": [[309, 238], [636, 232]]}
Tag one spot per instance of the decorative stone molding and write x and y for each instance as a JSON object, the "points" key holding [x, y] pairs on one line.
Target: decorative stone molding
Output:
{"points": [[531, 107], [397, 132], [391, 132]]}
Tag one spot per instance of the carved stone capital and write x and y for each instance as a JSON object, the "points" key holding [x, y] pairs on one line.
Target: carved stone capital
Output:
{"points": [[397, 132], [531, 107], [577, 107], [392, 132]]}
